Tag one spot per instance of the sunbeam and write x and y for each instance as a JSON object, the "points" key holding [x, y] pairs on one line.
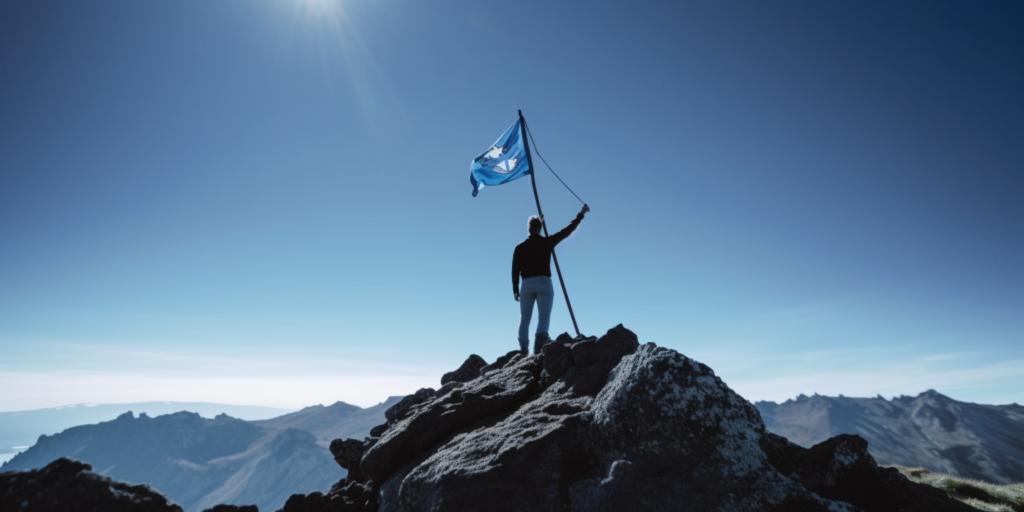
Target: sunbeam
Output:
{"points": [[331, 29]]}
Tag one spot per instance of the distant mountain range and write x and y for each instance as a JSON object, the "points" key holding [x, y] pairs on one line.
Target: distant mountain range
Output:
{"points": [[337, 421], [20, 429], [199, 462], [930, 430]]}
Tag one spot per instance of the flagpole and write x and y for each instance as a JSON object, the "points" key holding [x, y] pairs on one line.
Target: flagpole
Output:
{"points": [[533, 181]]}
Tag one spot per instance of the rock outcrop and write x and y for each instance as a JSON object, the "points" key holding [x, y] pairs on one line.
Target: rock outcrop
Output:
{"points": [[70, 485], [600, 424], [842, 469], [468, 371], [67, 485]]}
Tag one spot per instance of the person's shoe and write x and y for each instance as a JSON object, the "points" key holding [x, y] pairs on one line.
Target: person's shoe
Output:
{"points": [[539, 342]]}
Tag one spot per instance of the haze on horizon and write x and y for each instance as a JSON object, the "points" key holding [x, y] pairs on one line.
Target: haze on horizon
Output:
{"points": [[266, 202]]}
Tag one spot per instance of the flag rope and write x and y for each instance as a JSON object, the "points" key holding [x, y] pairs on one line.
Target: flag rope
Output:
{"points": [[530, 133]]}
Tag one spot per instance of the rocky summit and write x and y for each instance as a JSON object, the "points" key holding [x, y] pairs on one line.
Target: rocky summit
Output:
{"points": [[600, 424]]}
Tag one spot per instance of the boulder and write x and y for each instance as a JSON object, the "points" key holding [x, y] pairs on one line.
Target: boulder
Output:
{"points": [[665, 430], [401, 410], [500, 362], [520, 462], [345, 496], [348, 453], [71, 485], [841, 469], [379, 430], [431, 422], [469, 370], [557, 361], [594, 358]]}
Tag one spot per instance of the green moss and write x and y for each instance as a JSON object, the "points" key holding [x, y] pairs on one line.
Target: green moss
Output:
{"points": [[978, 494]]}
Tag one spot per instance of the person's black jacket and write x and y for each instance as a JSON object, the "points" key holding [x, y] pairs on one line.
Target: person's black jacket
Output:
{"points": [[532, 256]]}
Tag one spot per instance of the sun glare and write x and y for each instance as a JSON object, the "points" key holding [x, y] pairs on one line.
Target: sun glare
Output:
{"points": [[320, 9], [335, 27]]}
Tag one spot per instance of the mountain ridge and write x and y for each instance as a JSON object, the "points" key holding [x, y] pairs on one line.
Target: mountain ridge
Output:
{"points": [[333, 421], [930, 430], [201, 462], [22, 428]]}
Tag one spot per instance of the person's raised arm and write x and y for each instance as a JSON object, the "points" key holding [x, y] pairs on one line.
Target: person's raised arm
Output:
{"points": [[566, 231]]}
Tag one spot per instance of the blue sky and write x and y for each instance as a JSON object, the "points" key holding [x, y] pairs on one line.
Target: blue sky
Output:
{"points": [[267, 201]]}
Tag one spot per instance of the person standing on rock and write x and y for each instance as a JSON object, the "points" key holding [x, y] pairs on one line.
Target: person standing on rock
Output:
{"points": [[532, 261]]}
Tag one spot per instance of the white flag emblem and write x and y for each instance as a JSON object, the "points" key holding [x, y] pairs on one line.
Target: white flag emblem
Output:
{"points": [[506, 166], [495, 152]]}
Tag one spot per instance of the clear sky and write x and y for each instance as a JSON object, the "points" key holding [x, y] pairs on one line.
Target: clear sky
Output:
{"points": [[267, 201]]}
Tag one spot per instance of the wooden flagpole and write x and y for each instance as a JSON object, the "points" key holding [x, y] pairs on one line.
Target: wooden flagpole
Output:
{"points": [[533, 181]]}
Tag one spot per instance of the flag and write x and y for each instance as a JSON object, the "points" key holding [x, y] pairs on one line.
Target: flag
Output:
{"points": [[503, 162]]}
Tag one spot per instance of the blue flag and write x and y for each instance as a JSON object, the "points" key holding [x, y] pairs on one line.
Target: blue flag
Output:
{"points": [[503, 162]]}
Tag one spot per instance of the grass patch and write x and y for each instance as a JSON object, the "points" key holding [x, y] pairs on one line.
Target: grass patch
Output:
{"points": [[978, 494]]}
